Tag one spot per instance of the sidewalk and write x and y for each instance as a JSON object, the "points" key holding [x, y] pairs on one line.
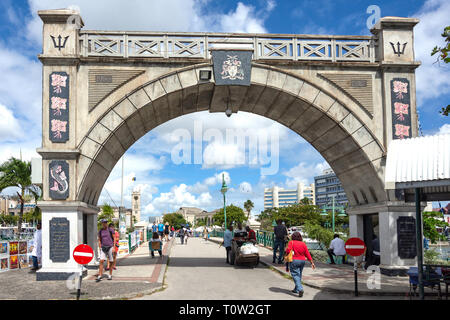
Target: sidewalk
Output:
{"points": [[340, 278], [136, 274]]}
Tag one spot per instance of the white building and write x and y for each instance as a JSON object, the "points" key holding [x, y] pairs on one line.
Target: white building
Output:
{"points": [[277, 197]]}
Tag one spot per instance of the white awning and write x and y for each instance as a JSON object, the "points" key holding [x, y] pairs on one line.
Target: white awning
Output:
{"points": [[422, 162]]}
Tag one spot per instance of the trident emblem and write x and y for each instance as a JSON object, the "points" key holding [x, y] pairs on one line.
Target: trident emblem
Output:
{"points": [[398, 52], [59, 46]]}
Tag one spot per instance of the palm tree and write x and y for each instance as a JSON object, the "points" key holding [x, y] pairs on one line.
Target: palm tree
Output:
{"points": [[248, 205], [17, 173]]}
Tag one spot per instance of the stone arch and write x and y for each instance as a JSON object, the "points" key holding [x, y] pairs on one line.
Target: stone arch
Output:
{"points": [[320, 117]]}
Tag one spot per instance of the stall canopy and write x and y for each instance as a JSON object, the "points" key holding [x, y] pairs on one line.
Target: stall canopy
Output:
{"points": [[422, 162]]}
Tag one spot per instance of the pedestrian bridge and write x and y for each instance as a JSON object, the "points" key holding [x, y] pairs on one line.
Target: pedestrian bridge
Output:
{"points": [[348, 96]]}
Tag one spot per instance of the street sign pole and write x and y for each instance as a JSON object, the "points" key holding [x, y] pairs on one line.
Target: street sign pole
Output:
{"points": [[82, 254], [355, 247], [79, 283]]}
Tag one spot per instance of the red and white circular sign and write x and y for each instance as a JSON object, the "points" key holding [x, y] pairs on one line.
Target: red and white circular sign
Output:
{"points": [[83, 254], [355, 247]]}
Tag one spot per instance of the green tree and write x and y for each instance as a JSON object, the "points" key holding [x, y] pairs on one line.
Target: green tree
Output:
{"points": [[17, 173], [443, 55], [174, 219], [430, 222], [234, 213], [319, 233], [8, 220], [106, 213], [248, 205]]}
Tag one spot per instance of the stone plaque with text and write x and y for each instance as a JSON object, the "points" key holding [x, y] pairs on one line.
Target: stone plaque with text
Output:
{"points": [[59, 240], [406, 237]]}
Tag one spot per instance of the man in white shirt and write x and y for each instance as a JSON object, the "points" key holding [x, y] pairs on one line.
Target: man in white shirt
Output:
{"points": [[36, 254], [337, 248]]}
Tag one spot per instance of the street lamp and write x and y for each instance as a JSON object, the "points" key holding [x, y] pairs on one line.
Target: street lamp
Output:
{"points": [[341, 214], [224, 190]]}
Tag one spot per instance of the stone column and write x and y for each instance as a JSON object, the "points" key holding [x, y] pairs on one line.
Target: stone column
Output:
{"points": [[395, 53], [62, 231], [62, 213], [391, 263]]}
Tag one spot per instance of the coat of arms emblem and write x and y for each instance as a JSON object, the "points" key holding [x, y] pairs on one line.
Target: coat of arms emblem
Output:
{"points": [[232, 69]]}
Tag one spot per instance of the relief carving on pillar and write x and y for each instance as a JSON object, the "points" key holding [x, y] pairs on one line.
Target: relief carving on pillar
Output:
{"points": [[58, 180], [401, 108], [59, 107]]}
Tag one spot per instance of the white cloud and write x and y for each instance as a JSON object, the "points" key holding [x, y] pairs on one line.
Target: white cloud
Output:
{"points": [[445, 129], [431, 78], [245, 187], [9, 125], [177, 197], [304, 173]]}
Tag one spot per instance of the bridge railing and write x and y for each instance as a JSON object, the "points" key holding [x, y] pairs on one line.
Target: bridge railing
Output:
{"points": [[198, 45]]}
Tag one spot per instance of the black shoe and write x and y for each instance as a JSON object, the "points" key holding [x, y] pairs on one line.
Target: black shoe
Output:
{"points": [[300, 294], [280, 262], [273, 261], [98, 279], [294, 291], [332, 263]]}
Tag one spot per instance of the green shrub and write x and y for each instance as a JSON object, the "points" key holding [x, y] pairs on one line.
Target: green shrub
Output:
{"points": [[319, 255]]}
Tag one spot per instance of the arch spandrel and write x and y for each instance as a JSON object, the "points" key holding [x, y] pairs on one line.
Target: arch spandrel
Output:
{"points": [[331, 128]]}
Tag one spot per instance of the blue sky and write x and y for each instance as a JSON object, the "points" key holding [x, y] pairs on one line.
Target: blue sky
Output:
{"points": [[164, 184]]}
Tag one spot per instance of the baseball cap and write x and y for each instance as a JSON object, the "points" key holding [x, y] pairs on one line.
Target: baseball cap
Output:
{"points": [[104, 220]]}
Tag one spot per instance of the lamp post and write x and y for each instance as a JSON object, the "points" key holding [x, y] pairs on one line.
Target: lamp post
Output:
{"points": [[224, 190], [333, 208]]}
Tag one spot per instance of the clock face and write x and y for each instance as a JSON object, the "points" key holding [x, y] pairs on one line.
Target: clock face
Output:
{"points": [[136, 197]]}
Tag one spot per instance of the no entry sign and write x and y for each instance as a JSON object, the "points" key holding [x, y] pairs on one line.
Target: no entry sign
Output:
{"points": [[355, 247], [83, 254]]}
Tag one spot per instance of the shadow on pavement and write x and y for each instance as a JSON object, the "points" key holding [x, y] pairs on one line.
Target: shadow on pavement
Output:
{"points": [[282, 290]]}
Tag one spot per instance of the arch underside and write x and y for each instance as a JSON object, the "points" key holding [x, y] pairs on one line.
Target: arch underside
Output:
{"points": [[345, 143]]}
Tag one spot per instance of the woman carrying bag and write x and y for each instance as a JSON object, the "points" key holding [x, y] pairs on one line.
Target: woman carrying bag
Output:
{"points": [[299, 251]]}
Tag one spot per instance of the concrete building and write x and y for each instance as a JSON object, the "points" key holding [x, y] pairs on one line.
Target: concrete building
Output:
{"points": [[277, 197], [7, 204], [192, 215], [327, 186]]}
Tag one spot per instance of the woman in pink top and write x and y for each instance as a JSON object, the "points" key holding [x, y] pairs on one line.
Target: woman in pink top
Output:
{"points": [[300, 255]]}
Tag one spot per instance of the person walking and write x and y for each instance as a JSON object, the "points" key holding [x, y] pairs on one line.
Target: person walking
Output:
{"points": [[166, 231], [116, 247], [299, 257], [205, 233], [106, 243], [154, 227], [36, 254], [181, 233], [227, 237], [337, 248], [161, 230], [186, 235], [156, 244], [280, 232], [288, 238], [172, 232]]}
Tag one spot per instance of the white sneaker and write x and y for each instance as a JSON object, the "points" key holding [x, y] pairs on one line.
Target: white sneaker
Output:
{"points": [[109, 277]]}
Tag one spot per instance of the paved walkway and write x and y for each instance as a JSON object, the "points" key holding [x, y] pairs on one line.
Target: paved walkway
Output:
{"points": [[136, 274], [198, 271], [340, 278]]}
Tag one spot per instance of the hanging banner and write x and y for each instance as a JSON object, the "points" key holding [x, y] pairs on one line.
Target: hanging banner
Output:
{"points": [[123, 247], [401, 108], [232, 67]]}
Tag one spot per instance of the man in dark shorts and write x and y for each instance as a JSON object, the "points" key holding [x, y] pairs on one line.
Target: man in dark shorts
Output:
{"points": [[166, 231]]}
